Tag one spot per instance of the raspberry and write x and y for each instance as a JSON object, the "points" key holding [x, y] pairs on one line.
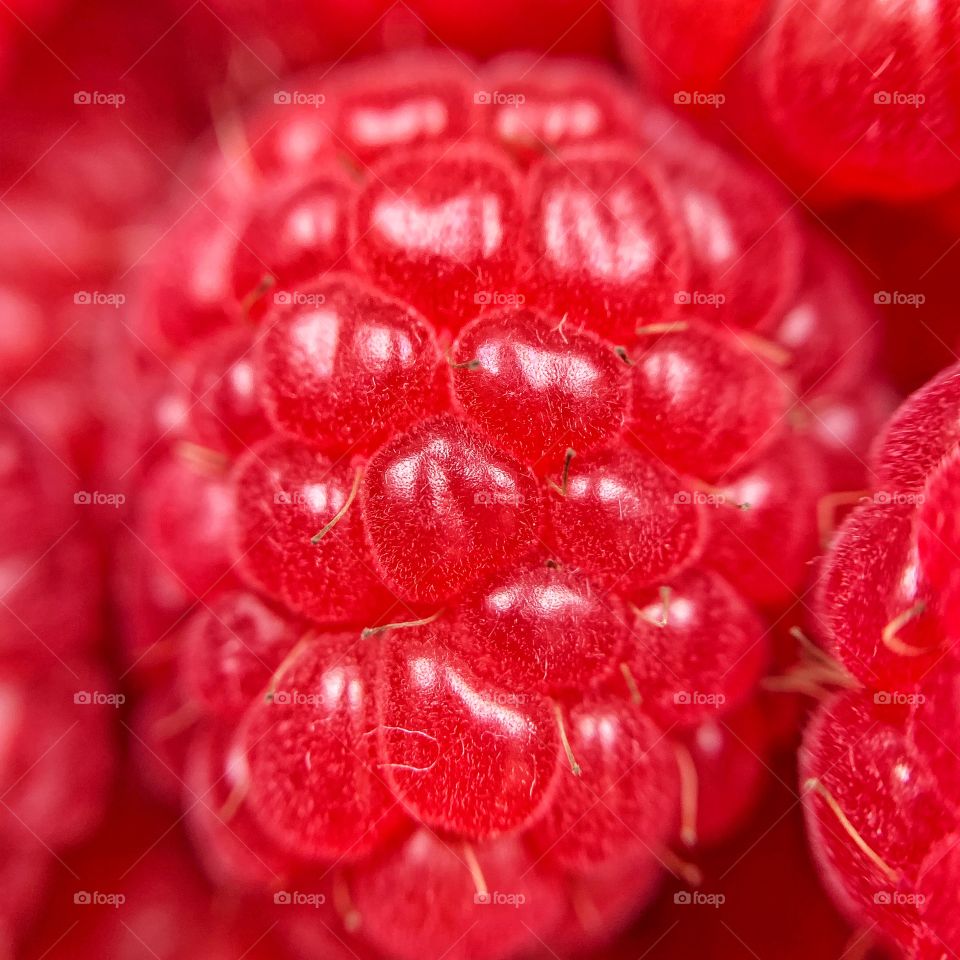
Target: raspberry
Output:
{"points": [[479, 500], [884, 755], [856, 102], [56, 754]]}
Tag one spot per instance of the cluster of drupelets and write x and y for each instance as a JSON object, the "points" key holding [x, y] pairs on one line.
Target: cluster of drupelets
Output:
{"points": [[493, 413], [881, 760]]}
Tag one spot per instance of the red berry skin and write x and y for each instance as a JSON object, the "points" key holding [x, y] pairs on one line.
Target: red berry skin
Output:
{"points": [[625, 800], [744, 244], [702, 402], [311, 763], [294, 235], [536, 389], [546, 104], [828, 329], [463, 755], [603, 900], [285, 494], [872, 579], [229, 650], [683, 42], [938, 540], [225, 411], [729, 755], [938, 885], [189, 291], [344, 367], [625, 520], [542, 628], [56, 755], [443, 507], [844, 426], [421, 900], [925, 429], [440, 229], [934, 705], [234, 850], [602, 244], [408, 100], [890, 798], [187, 512], [291, 140], [764, 522], [694, 652], [868, 94]]}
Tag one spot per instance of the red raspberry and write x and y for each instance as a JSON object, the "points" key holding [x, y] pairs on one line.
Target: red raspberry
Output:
{"points": [[884, 756], [858, 100], [56, 755], [485, 456]]}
